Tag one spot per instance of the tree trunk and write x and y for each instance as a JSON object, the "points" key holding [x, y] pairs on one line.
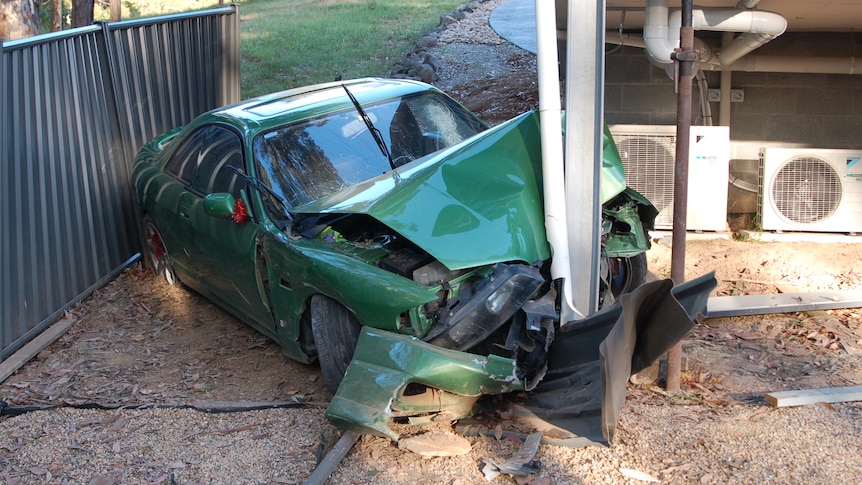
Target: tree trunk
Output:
{"points": [[116, 10], [82, 13], [18, 19], [56, 15]]}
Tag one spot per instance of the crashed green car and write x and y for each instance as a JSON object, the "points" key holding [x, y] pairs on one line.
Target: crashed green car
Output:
{"points": [[385, 213]]}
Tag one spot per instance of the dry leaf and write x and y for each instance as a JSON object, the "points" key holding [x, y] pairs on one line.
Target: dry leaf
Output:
{"points": [[678, 468], [639, 475]]}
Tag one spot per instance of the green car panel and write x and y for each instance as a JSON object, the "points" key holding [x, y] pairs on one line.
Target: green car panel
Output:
{"points": [[384, 363], [613, 179]]}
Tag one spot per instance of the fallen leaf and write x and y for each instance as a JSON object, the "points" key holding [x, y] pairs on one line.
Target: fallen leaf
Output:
{"points": [[678, 468], [827, 406], [639, 475]]}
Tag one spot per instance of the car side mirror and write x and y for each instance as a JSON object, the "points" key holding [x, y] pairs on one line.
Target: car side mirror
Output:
{"points": [[220, 205]]}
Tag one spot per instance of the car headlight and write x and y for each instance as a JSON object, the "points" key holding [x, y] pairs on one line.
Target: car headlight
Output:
{"points": [[469, 322]]}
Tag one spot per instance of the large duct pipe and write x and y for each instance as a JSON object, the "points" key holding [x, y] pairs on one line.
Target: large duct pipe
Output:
{"points": [[802, 65], [660, 44], [756, 63], [757, 28]]}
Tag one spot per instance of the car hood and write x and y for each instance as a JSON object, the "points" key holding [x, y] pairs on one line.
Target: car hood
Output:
{"points": [[477, 203]]}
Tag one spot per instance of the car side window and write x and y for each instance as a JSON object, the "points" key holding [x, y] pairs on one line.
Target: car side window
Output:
{"points": [[203, 161], [184, 161]]}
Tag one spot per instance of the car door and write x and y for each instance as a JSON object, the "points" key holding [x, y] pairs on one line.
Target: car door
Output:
{"points": [[221, 252]]}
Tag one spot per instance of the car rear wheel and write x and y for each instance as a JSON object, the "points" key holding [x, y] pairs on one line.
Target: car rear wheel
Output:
{"points": [[335, 331], [156, 253]]}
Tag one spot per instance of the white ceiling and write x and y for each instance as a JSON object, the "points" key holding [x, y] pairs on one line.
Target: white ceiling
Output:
{"points": [[801, 15]]}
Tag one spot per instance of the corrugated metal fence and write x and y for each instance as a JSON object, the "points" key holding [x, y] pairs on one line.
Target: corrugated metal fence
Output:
{"points": [[76, 106]]}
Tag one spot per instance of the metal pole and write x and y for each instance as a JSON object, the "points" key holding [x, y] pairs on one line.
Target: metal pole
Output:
{"points": [[684, 58], [585, 97]]}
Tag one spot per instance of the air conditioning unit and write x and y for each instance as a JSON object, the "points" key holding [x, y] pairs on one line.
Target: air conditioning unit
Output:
{"points": [[648, 153], [817, 190]]}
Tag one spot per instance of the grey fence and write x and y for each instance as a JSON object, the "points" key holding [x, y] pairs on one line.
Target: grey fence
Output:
{"points": [[76, 107]]}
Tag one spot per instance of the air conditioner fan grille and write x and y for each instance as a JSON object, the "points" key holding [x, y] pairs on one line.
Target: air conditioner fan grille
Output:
{"points": [[648, 162], [806, 190]]}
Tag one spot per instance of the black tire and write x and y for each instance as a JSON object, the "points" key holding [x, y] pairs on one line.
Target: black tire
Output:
{"points": [[156, 253], [335, 331], [627, 274]]}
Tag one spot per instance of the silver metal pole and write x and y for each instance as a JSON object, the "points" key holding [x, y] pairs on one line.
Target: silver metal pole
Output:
{"points": [[584, 92]]}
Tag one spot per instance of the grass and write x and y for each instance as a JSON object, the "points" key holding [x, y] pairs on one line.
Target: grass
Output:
{"points": [[289, 43]]}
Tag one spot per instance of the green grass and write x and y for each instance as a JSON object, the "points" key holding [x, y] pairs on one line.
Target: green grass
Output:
{"points": [[289, 43]]}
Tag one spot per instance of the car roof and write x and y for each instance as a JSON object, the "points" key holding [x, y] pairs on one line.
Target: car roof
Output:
{"points": [[264, 112]]}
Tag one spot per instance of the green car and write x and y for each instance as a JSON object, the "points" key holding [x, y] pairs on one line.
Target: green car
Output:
{"points": [[382, 205]]}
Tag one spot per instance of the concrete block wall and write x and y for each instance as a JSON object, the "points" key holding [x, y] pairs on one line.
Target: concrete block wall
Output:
{"points": [[779, 109], [818, 110]]}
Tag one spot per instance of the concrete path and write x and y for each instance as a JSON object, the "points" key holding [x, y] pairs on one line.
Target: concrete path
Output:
{"points": [[515, 21]]}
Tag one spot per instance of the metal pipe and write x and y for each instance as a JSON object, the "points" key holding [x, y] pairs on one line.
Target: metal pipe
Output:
{"points": [[725, 86], [703, 98], [685, 58], [550, 117], [802, 65]]}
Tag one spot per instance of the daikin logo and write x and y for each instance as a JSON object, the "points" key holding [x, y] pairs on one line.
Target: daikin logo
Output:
{"points": [[852, 162]]}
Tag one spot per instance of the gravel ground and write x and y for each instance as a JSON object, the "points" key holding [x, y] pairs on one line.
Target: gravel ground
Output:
{"points": [[718, 430]]}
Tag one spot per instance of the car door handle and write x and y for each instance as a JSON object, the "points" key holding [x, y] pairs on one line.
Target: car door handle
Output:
{"points": [[185, 214]]}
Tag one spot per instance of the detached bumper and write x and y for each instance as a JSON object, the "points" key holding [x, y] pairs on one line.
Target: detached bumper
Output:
{"points": [[377, 387], [579, 399]]}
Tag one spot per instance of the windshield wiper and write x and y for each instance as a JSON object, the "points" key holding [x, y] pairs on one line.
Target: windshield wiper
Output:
{"points": [[374, 131], [263, 188]]}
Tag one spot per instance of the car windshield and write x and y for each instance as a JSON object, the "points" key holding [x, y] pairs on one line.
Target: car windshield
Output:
{"points": [[313, 158]]}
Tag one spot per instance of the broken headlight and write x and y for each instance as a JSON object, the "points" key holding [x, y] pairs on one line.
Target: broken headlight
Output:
{"points": [[469, 321]]}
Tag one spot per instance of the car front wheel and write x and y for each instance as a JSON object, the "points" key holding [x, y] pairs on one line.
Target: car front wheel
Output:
{"points": [[335, 331], [627, 274]]}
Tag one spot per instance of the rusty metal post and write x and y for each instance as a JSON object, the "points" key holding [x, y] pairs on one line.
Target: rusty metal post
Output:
{"points": [[684, 59]]}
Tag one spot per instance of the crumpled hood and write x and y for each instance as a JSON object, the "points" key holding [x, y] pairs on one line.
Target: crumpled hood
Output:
{"points": [[473, 204]]}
